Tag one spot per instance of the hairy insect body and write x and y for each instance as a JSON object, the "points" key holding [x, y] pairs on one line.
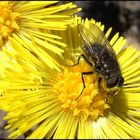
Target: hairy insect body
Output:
{"points": [[98, 52], [104, 64]]}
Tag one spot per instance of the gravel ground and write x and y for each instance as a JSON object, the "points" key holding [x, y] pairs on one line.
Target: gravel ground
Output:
{"points": [[123, 16], [4, 133]]}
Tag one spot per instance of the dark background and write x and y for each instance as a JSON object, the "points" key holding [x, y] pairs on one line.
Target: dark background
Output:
{"points": [[123, 16]]}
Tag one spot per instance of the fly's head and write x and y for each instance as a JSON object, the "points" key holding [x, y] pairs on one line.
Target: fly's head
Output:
{"points": [[113, 85]]}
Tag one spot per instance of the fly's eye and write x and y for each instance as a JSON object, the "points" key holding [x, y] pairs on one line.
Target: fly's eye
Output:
{"points": [[115, 81]]}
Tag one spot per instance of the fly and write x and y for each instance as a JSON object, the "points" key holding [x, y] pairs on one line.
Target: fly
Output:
{"points": [[98, 53]]}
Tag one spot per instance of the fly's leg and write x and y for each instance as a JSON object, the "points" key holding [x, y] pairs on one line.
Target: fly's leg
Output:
{"points": [[83, 73], [98, 85], [82, 76], [78, 60]]}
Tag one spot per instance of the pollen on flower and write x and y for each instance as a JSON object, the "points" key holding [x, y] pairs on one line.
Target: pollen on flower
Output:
{"points": [[92, 103], [8, 21]]}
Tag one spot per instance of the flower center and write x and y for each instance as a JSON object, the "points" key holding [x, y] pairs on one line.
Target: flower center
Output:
{"points": [[8, 20], [89, 104]]}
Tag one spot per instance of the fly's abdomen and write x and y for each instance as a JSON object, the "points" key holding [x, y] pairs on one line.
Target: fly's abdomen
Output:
{"points": [[100, 54], [105, 65]]}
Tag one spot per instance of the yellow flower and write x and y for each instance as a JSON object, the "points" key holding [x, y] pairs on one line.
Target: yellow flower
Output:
{"points": [[43, 100], [22, 20]]}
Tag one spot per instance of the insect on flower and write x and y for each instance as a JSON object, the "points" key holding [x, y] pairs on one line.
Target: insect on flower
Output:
{"points": [[98, 53]]}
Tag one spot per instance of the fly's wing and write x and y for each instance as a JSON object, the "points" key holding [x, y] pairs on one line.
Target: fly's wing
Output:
{"points": [[95, 35], [84, 33]]}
